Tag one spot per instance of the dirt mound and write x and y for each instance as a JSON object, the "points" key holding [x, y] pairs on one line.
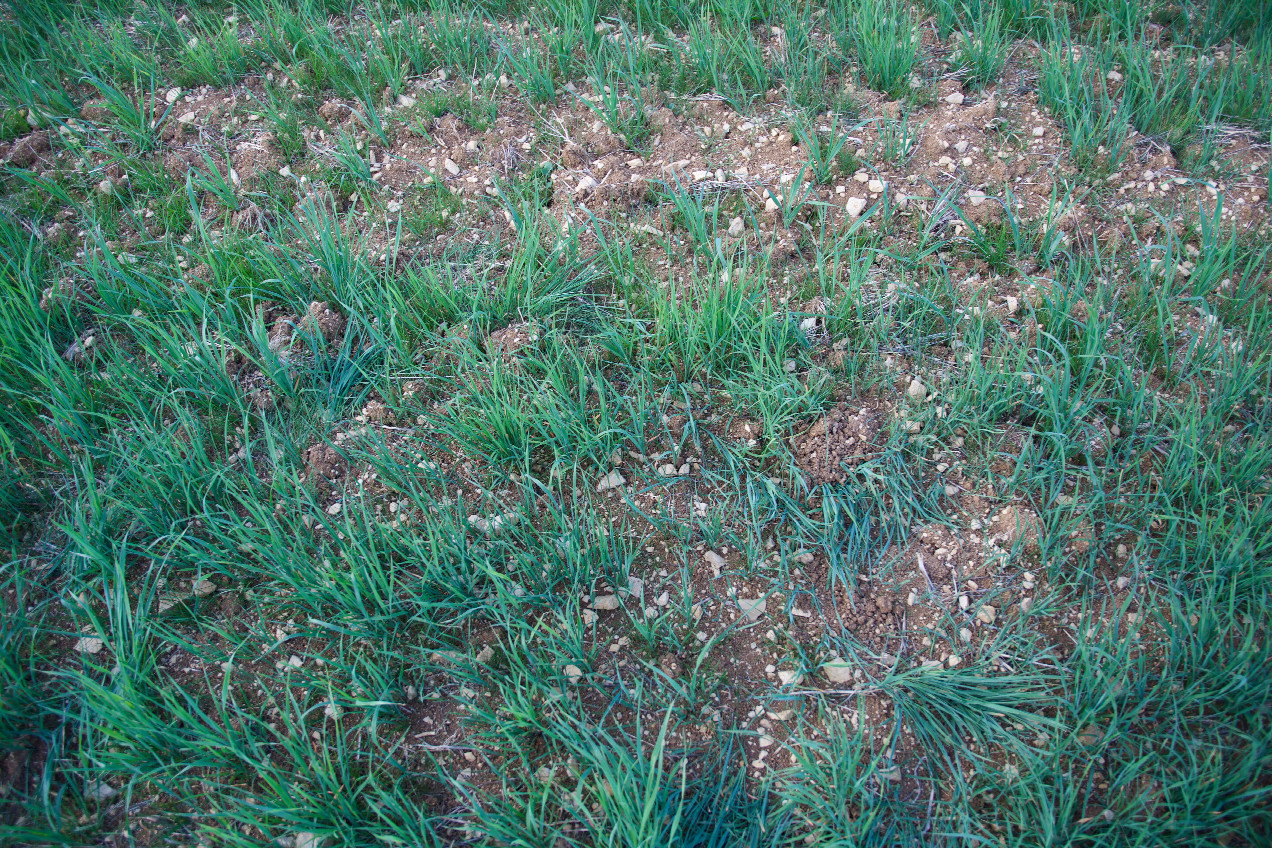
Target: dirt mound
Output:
{"points": [[325, 467], [846, 436], [329, 323]]}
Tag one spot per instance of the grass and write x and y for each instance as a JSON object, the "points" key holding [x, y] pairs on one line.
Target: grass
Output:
{"points": [[370, 477]]}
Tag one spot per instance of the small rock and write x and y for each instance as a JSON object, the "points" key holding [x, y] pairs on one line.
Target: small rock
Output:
{"points": [[1113, 76], [954, 660], [187, 118], [405, 101], [770, 205], [204, 588], [106, 187], [955, 99], [837, 671], [855, 206], [572, 673], [309, 840], [716, 561], [876, 186], [1012, 305], [917, 391], [736, 227], [752, 608], [99, 792], [605, 603], [612, 480], [986, 614], [171, 95], [89, 645], [1039, 132], [586, 184], [790, 678], [450, 166]]}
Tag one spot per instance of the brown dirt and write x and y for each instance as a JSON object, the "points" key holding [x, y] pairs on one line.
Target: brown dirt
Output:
{"points": [[847, 435]]}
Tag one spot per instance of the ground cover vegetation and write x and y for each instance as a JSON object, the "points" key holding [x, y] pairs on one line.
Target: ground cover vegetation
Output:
{"points": [[635, 423]]}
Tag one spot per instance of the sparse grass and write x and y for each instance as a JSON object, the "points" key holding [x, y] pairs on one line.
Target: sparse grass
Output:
{"points": [[439, 515]]}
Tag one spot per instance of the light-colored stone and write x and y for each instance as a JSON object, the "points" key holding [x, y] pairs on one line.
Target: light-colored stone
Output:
{"points": [[612, 480], [986, 614], [606, 602], [586, 184], [572, 673], [89, 645], [837, 671], [737, 227], [752, 608], [716, 561], [855, 206], [916, 391], [876, 186], [99, 792], [450, 166], [204, 588], [790, 678], [955, 99]]}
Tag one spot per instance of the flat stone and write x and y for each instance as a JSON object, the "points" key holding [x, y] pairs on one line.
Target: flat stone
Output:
{"points": [[752, 608], [99, 792], [837, 671], [612, 480], [89, 645]]}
